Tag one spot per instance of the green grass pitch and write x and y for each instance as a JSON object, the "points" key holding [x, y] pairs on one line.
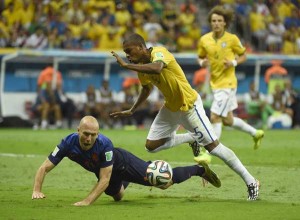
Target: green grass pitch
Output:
{"points": [[276, 164]]}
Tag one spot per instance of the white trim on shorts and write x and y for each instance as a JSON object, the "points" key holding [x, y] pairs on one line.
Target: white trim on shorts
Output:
{"points": [[224, 101], [194, 120]]}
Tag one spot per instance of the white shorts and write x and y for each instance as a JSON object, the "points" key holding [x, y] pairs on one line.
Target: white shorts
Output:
{"points": [[194, 120], [224, 101]]}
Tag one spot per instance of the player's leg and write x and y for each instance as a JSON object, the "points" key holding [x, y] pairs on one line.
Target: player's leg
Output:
{"points": [[181, 174], [224, 103], [162, 134], [115, 188], [197, 120], [219, 109], [241, 125]]}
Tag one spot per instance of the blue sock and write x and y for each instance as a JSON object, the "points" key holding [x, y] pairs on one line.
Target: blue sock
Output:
{"points": [[181, 174], [125, 184]]}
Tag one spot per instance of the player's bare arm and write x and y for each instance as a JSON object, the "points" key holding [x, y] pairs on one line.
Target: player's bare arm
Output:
{"points": [[148, 68], [144, 93], [45, 168], [203, 62], [238, 60], [99, 188]]}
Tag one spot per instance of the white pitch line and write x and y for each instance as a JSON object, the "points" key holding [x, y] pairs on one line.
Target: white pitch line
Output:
{"points": [[19, 155]]}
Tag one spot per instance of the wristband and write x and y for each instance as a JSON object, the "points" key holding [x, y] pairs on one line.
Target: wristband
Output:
{"points": [[234, 63], [201, 61]]}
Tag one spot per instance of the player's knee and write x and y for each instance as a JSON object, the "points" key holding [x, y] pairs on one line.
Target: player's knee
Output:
{"points": [[118, 197], [215, 118], [150, 149], [150, 146], [227, 122]]}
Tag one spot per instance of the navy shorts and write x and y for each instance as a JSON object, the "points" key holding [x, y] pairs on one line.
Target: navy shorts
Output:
{"points": [[127, 168]]}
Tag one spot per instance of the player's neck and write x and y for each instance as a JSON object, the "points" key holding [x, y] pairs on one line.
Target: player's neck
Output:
{"points": [[218, 35]]}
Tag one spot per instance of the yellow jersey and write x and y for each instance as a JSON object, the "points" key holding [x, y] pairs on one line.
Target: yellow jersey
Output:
{"points": [[217, 51], [177, 91]]}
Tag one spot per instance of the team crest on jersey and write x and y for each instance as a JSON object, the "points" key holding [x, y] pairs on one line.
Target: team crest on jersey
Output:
{"points": [[108, 155], [159, 55], [224, 44]]}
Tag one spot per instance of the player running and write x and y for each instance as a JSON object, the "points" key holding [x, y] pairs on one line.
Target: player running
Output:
{"points": [[156, 66], [221, 52]]}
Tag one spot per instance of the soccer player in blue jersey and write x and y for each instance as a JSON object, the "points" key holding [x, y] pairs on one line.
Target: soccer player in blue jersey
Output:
{"points": [[114, 167]]}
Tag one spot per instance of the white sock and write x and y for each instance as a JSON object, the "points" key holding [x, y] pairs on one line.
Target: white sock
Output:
{"points": [[58, 123], [243, 126], [229, 157], [175, 140], [44, 124], [217, 128]]}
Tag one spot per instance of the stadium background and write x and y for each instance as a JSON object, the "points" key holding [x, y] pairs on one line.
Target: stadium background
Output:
{"points": [[19, 74]]}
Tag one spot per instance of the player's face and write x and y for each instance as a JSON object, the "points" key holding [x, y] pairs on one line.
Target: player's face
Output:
{"points": [[217, 23], [87, 137], [133, 53]]}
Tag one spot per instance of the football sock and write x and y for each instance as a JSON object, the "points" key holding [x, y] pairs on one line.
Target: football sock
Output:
{"points": [[181, 174], [217, 128], [229, 157], [243, 126], [175, 140], [125, 184]]}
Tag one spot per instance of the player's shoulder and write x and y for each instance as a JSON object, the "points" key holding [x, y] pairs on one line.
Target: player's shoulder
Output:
{"points": [[71, 138], [104, 140], [207, 36], [159, 49], [230, 35]]}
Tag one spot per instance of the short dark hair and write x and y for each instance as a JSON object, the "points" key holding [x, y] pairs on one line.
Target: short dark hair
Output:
{"points": [[220, 10], [135, 39]]}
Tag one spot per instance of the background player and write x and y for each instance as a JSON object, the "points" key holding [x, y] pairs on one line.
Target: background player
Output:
{"points": [[114, 167], [221, 52]]}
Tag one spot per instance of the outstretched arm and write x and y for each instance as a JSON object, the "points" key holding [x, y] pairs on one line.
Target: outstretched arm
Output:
{"points": [[145, 92], [46, 167], [99, 188], [148, 68]]}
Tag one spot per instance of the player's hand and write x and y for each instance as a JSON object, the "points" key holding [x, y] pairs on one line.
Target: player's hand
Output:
{"points": [[228, 63], [205, 63], [120, 61], [37, 195], [126, 113], [81, 203]]}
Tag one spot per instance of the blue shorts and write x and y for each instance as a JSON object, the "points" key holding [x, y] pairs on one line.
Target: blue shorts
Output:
{"points": [[127, 168]]}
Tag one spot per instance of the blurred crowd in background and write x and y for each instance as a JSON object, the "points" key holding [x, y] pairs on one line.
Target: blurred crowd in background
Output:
{"points": [[263, 25]]}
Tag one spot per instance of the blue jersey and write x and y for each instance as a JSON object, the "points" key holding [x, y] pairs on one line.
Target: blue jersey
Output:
{"points": [[99, 156]]}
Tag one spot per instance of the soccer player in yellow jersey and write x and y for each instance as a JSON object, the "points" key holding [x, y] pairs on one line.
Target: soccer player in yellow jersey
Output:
{"points": [[156, 66], [221, 52]]}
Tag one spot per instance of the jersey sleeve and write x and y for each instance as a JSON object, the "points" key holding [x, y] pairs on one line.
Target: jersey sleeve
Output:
{"points": [[58, 153], [61, 150], [106, 156], [161, 54], [200, 49], [237, 46]]}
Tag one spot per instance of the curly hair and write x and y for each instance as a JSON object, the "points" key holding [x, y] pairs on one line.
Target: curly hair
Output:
{"points": [[220, 10]]}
